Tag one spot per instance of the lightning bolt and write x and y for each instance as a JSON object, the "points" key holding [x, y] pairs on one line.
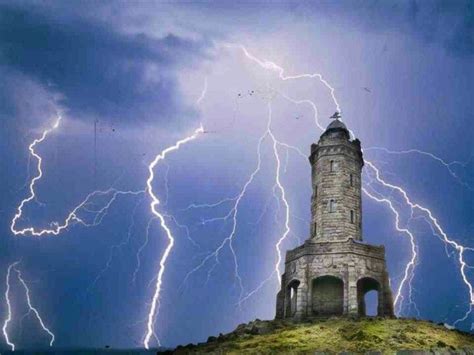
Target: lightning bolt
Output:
{"points": [[9, 308], [31, 308], [117, 247], [411, 264], [203, 93], [32, 195], [283, 198], [447, 165], [435, 223], [268, 65], [142, 247], [73, 216], [412, 303], [233, 213], [279, 192], [153, 208]]}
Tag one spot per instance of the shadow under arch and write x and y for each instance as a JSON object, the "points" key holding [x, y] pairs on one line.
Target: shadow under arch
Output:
{"points": [[327, 296]]}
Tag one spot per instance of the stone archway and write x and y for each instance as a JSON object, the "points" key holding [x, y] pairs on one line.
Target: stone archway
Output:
{"points": [[327, 296], [291, 298], [364, 285]]}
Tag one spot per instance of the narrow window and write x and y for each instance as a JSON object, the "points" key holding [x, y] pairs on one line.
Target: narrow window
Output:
{"points": [[351, 178], [291, 298], [352, 216], [315, 228], [331, 166], [332, 206]]}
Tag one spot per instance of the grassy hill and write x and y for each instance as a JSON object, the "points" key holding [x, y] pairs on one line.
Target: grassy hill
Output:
{"points": [[335, 335]]}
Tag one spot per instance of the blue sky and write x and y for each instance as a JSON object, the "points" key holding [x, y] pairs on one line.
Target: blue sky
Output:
{"points": [[402, 74]]}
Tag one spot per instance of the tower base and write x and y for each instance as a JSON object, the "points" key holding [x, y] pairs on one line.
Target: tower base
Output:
{"points": [[331, 278]]}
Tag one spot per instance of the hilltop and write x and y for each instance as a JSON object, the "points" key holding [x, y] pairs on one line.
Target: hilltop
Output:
{"points": [[335, 335]]}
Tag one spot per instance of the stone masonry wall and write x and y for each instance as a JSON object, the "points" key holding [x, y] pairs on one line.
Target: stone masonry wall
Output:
{"points": [[347, 261], [334, 160]]}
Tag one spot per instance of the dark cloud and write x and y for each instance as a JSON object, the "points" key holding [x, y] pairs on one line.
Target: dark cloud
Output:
{"points": [[449, 23], [99, 71], [462, 39], [24, 99]]}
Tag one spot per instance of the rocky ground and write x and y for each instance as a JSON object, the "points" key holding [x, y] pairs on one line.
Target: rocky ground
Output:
{"points": [[336, 335]]}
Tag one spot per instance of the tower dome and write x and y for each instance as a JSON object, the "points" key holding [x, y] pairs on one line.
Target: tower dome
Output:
{"points": [[336, 128], [336, 124]]}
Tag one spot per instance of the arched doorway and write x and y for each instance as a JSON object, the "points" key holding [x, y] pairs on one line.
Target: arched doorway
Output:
{"points": [[328, 296], [368, 302], [291, 298]]}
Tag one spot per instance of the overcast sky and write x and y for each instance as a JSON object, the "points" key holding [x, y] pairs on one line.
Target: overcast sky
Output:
{"points": [[148, 74]]}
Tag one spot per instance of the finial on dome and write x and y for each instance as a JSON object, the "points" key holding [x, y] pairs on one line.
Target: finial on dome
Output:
{"points": [[336, 115], [337, 123]]}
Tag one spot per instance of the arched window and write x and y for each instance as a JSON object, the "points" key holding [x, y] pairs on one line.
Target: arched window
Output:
{"points": [[291, 298], [371, 303], [332, 205], [352, 216], [351, 179], [368, 301], [331, 166]]}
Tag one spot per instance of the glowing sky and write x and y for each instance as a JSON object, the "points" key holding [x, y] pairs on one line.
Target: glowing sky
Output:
{"points": [[148, 76]]}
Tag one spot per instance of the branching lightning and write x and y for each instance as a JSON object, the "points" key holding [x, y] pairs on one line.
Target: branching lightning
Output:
{"points": [[429, 215], [73, 217], [86, 213], [9, 308], [283, 197], [31, 308], [142, 247], [265, 64], [409, 269], [153, 207], [434, 222], [233, 213], [447, 165], [117, 246], [411, 264], [32, 195]]}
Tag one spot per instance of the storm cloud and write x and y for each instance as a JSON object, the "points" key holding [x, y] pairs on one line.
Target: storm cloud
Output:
{"points": [[99, 72]]}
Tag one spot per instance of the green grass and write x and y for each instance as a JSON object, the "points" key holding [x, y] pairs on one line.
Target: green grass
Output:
{"points": [[336, 335]]}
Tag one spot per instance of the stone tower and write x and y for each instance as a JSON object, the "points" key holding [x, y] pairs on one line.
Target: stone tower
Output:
{"points": [[333, 270]]}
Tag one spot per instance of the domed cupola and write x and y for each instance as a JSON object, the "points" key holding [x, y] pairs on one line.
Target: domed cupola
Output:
{"points": [[336, 128], [336, 124]]}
